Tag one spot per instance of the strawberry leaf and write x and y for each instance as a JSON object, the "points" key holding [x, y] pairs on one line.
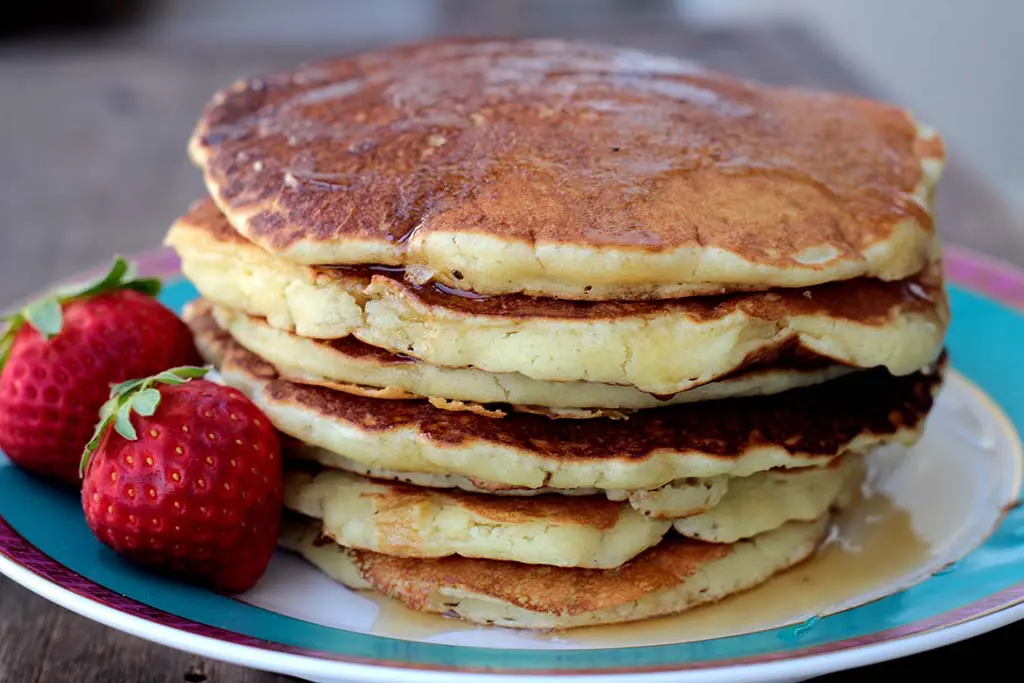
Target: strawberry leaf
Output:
{"points": [[181, 375], [93, 444], [146, 401], [106, 417], [45, 315], [104, 284], [147, 286], [123, 421], [126, 387], [138, 395], [122, 275], [6, 342]]}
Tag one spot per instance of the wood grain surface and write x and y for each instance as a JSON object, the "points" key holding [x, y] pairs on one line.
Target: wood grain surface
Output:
{"points": [[93, 140]]}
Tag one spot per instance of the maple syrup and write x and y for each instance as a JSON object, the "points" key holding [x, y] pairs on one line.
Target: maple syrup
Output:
{"points": [[395, 620], [872, 551]]}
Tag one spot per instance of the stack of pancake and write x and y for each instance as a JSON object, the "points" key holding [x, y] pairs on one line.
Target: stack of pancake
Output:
{"points": [[564, 334]]}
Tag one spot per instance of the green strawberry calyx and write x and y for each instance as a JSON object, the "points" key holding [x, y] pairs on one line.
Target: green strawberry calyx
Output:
{"points": [[46, 315], [139, 395]]}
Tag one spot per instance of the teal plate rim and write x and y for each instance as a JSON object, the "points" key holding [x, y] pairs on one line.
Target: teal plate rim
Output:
{"points": [[984, 586]]}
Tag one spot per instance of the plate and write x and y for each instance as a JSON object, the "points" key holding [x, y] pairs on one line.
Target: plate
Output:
{"points": [[934, 554]]}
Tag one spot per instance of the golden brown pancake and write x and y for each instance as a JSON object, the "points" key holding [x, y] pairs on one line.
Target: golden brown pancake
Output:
{"points": [[681, 498], [571, 170], [653, 447], [863, 300], [350, 365], [590, 531], [412, 521], [671, 577], [659, 347]]}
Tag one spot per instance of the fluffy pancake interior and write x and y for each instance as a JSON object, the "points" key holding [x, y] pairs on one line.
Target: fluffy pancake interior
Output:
{"points": [[767, 500], [690, 497], [564, 531], [350, 365], [673, 576], [408, 521]]}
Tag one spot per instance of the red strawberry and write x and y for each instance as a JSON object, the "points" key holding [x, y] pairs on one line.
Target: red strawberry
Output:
{"points": [[62, 355], [190, 484]]}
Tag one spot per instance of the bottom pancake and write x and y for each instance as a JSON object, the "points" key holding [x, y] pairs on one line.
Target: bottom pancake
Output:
{"points": [[674, 576]]}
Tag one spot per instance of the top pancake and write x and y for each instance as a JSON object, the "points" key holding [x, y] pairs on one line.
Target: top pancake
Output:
{"points": [[568, 170]]}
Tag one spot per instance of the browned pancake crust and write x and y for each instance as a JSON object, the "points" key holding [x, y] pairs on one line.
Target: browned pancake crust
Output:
{"points": [[203, 214], [820, 419], [864, 300], [540, 588], [557, 142]]}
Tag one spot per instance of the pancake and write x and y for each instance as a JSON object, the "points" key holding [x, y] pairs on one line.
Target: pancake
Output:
{"points": [[569, 170], [680, 498], [739, 436], [767, 500], [673, 576], [587, 531], [410, 521], [356, 367], [660, 347]]}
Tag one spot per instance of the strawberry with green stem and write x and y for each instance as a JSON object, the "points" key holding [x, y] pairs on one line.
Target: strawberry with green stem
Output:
{"points": [[60, 355], [183, 475]]}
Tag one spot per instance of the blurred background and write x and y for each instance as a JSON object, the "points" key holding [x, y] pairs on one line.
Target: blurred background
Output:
{"points": [[98, 97]]}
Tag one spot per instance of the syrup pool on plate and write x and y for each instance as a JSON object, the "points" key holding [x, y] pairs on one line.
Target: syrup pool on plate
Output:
{"points": [[870, 547]]}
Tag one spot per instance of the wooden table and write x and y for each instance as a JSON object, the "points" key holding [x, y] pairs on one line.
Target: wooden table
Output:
{"points": [[94, 153]]}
